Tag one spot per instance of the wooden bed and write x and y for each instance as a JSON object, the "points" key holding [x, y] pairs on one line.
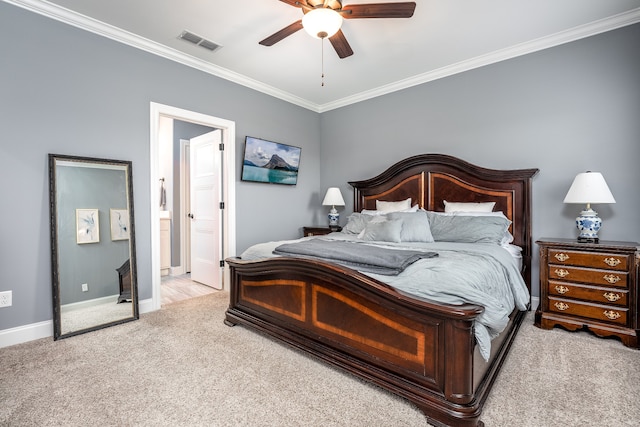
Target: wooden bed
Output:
{"points": [[421, 350]]}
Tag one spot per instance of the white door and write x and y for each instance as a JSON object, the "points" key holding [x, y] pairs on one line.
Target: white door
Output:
{"points": [[205, 213]]}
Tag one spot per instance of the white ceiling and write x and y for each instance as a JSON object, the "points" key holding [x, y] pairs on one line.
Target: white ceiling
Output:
{"points": [[442, 38]]}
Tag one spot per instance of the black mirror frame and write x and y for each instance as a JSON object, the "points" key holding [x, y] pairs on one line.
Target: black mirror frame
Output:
{"points": [[55, 277]]}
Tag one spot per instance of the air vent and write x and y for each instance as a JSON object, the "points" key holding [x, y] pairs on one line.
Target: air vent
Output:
{"points": [[197, 40]]}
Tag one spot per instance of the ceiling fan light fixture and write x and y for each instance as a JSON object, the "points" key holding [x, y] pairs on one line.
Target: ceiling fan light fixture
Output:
{"points": [[322, 22]]}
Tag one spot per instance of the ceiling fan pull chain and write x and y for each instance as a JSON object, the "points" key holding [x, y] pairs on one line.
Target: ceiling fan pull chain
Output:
{"points": [[322, 59]]}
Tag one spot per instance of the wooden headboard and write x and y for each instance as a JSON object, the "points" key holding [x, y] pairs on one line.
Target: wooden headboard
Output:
{"points": [[428, 179]]}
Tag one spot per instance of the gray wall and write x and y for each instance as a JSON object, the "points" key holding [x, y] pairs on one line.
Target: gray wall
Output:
{"points": [[564, 110], [67, 91]]}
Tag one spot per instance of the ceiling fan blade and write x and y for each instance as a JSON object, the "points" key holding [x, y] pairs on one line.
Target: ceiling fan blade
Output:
{"points": [[285, 32], [295, 3], [379, 10], [340, 44]]}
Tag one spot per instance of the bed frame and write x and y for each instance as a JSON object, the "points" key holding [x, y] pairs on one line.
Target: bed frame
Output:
{"points": [[415, 348]]}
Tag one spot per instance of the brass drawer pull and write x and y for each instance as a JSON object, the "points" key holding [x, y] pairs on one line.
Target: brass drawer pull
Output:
{"points": [[611, 296], [611, 315], [562, 257], [562, 306], [612, 278], [611, 261], [561, 272], [562, 289]]}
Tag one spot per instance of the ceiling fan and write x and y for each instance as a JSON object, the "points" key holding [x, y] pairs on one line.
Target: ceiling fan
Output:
{"points": [[323, 18]]}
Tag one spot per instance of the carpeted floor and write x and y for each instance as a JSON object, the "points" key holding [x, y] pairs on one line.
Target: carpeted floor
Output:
{"points": [[181, 366]]}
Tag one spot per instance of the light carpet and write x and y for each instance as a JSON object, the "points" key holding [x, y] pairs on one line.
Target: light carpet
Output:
{"points": [[181, 366]]}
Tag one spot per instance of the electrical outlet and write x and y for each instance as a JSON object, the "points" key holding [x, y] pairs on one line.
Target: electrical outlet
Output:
{"points": [[5, 299], [85, 287]]}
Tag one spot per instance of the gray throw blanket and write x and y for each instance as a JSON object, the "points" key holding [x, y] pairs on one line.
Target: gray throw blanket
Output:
{"points": [[359, 256]]}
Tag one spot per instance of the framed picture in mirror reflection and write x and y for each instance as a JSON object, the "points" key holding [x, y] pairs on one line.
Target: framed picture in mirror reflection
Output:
{"points": [[119, 224], [87, 226]]}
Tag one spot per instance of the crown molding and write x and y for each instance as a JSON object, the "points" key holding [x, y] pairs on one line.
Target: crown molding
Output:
{"points": [[77, 20]]}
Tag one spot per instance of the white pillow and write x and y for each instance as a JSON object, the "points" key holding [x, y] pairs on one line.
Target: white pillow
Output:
{"points": [[381, 205], [468, 207], [372, 212], [413, 208]]}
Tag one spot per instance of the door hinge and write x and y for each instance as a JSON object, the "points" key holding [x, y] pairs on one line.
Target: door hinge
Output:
{"points": [[221, 263], [221, 205], [221, 146]]}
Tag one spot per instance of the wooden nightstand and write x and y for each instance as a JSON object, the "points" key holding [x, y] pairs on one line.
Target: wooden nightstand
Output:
{"points": [[592, 286], [318, 231]]}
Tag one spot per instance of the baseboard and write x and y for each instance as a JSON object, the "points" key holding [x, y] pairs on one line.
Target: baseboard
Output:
{"points": [[145, 306], [176, 271], [22, 334], [36, 331]]}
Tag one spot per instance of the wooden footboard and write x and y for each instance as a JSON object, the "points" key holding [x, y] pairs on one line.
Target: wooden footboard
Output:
{"points": [[417, 349]]}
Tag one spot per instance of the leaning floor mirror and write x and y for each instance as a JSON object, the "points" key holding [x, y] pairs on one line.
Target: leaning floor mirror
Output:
{"points": [[93, 262]]}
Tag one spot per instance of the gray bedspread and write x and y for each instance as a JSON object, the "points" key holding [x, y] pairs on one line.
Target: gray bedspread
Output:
{"points": [[359, 256]]}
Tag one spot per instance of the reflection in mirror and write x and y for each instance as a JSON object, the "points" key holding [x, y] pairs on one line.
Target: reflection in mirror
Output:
{"points": [[93, 264]]}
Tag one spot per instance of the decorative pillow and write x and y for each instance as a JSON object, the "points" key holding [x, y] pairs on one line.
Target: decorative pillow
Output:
{"points": [[356, 222], [393, 206], [468, 207], [468, 229], [382, 231], [506, 239], [415, 226]]}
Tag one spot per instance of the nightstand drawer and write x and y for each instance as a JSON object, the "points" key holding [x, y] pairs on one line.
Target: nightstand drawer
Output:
{"points": [[589, 293], [602, 313], [585, 275], [589, 259]]}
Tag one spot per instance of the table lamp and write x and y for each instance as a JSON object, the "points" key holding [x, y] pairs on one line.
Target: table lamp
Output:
{"points": [[589, 187], [333, 198]]}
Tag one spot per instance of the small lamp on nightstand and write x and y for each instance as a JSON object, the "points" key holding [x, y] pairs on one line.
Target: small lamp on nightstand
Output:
{"points": [[333, 198], [589, 187]]}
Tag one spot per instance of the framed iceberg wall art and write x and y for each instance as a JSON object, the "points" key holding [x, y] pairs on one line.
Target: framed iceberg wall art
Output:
{"points": [[270, 162]]}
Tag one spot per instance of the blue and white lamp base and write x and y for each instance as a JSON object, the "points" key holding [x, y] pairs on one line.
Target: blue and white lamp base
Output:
{"points": [[334, 219], [589, 224]]}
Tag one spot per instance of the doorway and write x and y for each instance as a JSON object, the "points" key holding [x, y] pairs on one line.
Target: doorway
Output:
{"points": [[227, 231]]}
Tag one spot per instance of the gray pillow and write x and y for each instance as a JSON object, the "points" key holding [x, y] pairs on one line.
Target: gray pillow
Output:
{"points": [[384, 231], [467, 229], [415, 226], [356, 222]]}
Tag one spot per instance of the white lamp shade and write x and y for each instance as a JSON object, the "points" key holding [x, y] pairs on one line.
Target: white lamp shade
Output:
{"points": [[322, 22], [333, 197], [589, 187]]}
